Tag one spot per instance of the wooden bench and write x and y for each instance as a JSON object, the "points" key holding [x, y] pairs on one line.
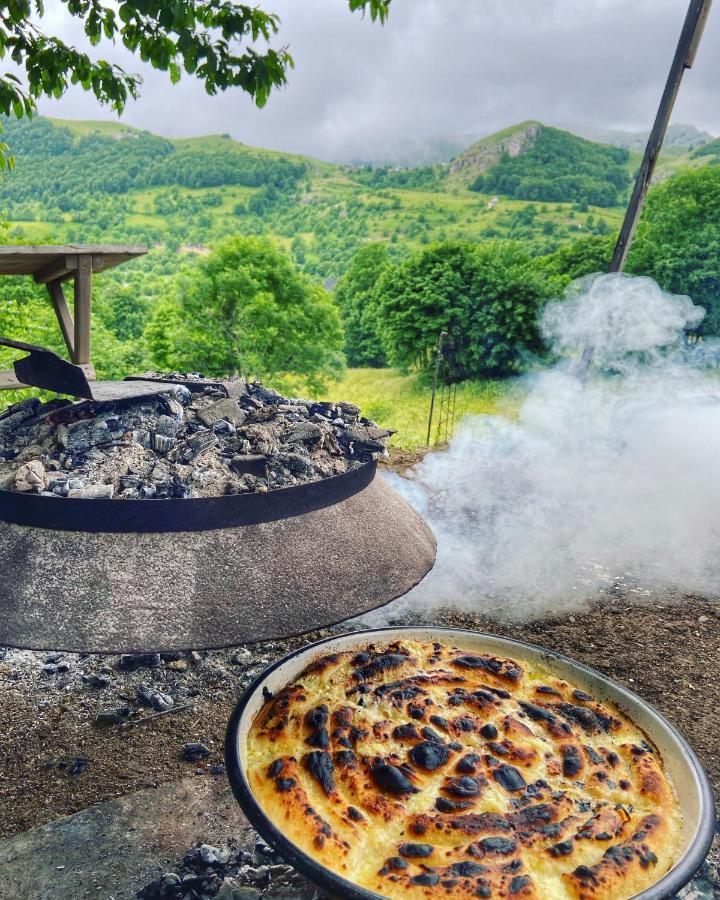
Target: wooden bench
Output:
{"points": [[52, 265]]}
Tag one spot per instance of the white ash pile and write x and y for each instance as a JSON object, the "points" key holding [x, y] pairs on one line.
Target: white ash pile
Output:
{"points": [[219, 438]]}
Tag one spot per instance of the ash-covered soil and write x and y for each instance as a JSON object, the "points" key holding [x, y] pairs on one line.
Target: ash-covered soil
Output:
{"points": [[79, 729]]}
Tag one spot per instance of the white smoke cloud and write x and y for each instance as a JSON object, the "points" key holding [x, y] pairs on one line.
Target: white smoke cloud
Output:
{"points": [[612, 481]]}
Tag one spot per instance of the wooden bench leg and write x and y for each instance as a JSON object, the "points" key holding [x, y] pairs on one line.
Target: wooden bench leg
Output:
{"points": [[62, 311], [83, 307]]}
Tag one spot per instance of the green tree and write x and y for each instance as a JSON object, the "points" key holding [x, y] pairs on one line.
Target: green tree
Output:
{"points": [[357, 300], [246, 309], [207, 39], [583, 256], [678, 240], [485, 296]]}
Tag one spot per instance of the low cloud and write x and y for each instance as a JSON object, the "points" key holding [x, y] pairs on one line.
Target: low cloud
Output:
{"points": [[438, 67]]}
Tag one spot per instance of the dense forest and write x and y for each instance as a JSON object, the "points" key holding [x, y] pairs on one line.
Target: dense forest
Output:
{"points": [[252, 250]]}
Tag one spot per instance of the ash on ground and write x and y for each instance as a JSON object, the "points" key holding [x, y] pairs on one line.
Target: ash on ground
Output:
{"points": [[228, 874], [200, 438]]}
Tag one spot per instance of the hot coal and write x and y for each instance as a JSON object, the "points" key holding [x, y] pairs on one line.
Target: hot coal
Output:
{"points": [[220, 438]]}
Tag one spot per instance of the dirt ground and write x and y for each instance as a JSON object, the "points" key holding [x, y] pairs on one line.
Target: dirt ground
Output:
{"points": [[667, 651], [401, 460]]}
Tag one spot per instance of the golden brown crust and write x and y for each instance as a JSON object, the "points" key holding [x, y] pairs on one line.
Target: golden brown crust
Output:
{"points": [[421, 770]]}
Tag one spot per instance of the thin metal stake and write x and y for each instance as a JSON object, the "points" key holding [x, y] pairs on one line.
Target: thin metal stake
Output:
{"points": [[438, 360]]}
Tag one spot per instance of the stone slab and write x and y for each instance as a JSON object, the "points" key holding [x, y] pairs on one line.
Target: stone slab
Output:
{"points": [[110, 850]]}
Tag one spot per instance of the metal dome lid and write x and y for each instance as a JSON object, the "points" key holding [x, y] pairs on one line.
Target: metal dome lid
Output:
{"points": [[111, 589]]}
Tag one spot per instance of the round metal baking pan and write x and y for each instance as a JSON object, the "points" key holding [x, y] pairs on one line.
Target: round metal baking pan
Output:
{"points": [[681, 763]]}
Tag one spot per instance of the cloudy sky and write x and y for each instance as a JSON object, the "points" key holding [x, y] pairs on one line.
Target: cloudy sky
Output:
{"points": [[437, 67]]}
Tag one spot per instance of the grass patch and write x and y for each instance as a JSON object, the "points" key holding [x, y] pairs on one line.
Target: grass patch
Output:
{"points": [[402, 402]]}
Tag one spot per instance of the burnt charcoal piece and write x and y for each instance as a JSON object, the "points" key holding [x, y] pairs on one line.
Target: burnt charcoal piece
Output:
{"points": [[198, 443], [305, 433], [162, 443], [250, 464], [509, 778], [112, 716], [222, 410], [195, 751], [392, 780], [129, 662], [156, 700], [429, 755]]}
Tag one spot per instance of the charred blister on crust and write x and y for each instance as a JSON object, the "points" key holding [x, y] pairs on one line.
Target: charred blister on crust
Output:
{"points": [[275, 715], [377, 664], [618, 864], [646, 774], [514, 753], [506, 671], [316, 721], [556, 727], [444, 828]]}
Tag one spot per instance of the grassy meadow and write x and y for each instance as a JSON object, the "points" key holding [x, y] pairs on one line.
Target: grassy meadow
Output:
{"points": [[402, 402]]}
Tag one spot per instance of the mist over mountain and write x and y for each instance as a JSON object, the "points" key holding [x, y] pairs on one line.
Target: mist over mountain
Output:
{"points": [[678, 137], [443, 148]]}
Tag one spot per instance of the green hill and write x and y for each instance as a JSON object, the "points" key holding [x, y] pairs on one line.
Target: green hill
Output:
{"points": [[104, 181], [536, 162]]}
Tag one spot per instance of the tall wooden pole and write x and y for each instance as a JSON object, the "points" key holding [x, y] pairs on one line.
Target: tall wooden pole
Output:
{"points": [[684, 58]]}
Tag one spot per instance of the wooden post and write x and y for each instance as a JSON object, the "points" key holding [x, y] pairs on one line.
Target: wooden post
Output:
{"points": [[684, 58], [83, 308], [62, 311]]}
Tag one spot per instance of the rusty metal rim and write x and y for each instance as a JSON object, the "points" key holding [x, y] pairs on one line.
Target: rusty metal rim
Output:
{"points": [[191, 514], [667, 886]]}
